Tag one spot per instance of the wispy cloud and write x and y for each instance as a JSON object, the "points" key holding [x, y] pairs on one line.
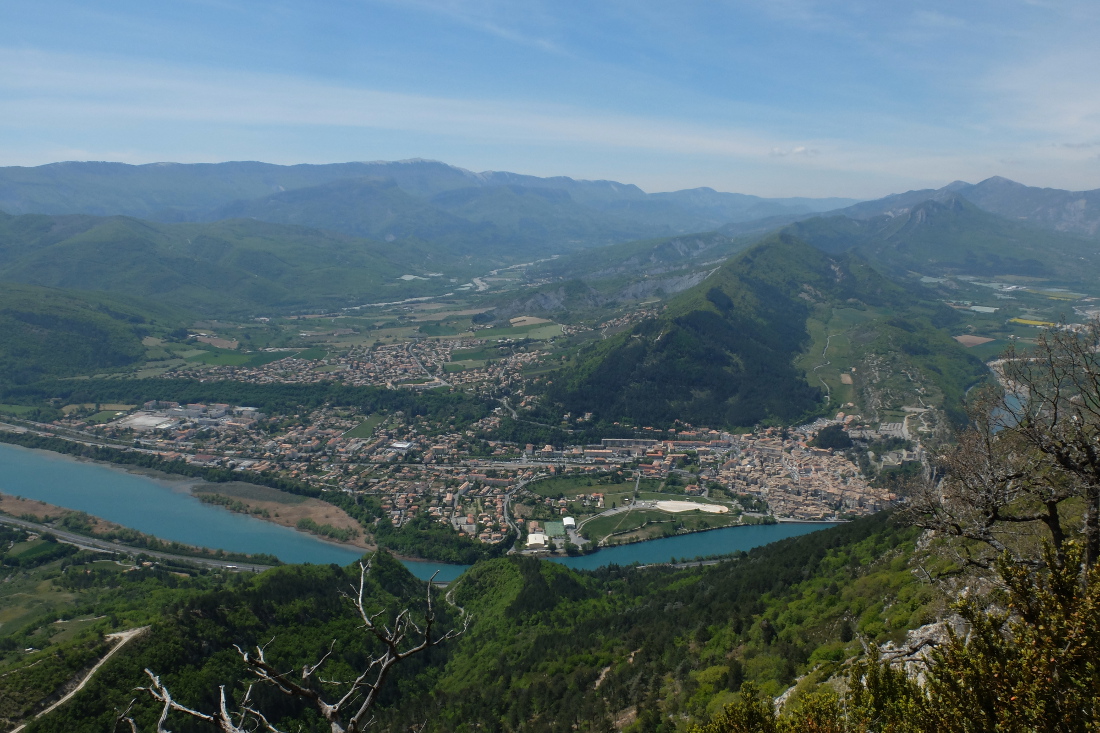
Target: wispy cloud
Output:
{"points": [[934, 19], [510, 21], [796, 150], [79, 99], [53, 88], [1056, 93]]}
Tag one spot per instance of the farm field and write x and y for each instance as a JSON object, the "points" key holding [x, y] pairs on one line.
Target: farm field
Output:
{"points": [[825, 366], [459, 366], [366, 428], [570, 486], [15, 410], [650, 523], [536, 332]]}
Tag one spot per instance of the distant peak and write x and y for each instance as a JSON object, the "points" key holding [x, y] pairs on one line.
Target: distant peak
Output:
{"points": [[1000, 181], [925, 210], [957, 186]]}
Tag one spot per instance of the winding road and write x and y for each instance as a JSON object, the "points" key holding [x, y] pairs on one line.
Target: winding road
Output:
{"points": [[828, 392], [123, 638]]}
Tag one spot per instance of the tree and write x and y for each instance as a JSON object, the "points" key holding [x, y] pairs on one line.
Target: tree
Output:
{"points": [[1029, 450], [1027, 663], [400, 636], [1058, 390], [832, 436]]}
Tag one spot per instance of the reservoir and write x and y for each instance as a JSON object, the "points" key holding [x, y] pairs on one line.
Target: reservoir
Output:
{"points": [[696, 544], [166, 509]]}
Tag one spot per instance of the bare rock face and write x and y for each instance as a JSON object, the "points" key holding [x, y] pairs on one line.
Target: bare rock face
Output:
{"points": [[913, 654]]}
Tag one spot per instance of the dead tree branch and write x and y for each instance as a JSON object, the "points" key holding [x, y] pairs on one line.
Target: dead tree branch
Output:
{"points": [[400, 638]]}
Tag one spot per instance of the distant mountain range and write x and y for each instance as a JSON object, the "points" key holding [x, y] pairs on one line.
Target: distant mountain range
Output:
{"points": [[435, 202], [947, 234], [239, 239], [1071, 212], [926, 232]]}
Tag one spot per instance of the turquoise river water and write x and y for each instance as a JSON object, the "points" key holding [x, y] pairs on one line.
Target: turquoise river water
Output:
{"points": [[166, 509]]}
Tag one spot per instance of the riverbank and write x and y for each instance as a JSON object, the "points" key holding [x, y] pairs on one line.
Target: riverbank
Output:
{"points": [[302, 513], [166, 508], [76, 525], [289, 510]]}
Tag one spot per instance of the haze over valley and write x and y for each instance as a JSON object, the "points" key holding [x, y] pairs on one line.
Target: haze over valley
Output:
{"points": [[436, 366]]}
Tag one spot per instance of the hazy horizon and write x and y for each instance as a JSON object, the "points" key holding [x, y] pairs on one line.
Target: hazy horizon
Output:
{"points": [[792, 98]]}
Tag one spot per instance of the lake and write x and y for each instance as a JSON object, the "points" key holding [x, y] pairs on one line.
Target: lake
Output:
{"points": [[166, 509], [696, 544]]}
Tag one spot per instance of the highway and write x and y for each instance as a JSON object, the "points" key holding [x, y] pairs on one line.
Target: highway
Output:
{"points": [[91, 543]]}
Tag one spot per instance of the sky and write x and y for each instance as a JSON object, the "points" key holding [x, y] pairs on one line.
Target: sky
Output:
{"points": [[856, 98]]}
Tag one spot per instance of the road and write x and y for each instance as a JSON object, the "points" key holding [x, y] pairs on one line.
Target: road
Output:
{"points": [[409, 351], [91, 543], [123, 637], [508, 512], [72, 435], [828, 392]]}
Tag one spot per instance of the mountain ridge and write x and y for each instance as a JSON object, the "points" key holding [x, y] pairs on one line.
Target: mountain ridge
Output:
{"points": [[1068, 212], [731, 351], [948, 234]]}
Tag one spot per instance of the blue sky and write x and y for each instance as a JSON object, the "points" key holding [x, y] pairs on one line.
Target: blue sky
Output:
{"points": [[778, 97]]}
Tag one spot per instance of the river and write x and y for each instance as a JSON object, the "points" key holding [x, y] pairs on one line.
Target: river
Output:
{"points": [[165, 508], [696, 544]]}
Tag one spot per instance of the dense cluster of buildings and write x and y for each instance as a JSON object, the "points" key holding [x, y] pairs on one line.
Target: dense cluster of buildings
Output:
{"points": [[420, 364], [462, 477], [800, 482]]}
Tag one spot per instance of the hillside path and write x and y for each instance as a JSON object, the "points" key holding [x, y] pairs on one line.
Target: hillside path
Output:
{"points": [[124, 638]]}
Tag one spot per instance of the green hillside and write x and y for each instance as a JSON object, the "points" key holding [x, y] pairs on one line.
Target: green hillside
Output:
{"points": [[365, 208], [56, 333], [234, 267], [728, 352], [549, 649]]}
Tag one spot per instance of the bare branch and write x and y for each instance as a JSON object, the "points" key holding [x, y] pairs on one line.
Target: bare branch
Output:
{"points": [[401, 637]]}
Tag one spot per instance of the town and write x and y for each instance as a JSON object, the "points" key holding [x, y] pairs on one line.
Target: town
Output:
{"points": [[468, 478]]}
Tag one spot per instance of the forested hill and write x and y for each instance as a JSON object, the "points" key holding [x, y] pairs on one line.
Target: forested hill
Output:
{"points": [[58, 333], [723, 353], [548, 649], [225, 268]]}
